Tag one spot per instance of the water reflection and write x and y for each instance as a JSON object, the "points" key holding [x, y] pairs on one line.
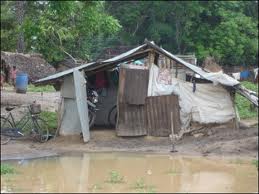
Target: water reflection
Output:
{"points": [[162, 173]]}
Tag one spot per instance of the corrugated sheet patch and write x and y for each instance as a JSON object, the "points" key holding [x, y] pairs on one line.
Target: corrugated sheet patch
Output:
{"points": [[162, 112], [132, 120]]}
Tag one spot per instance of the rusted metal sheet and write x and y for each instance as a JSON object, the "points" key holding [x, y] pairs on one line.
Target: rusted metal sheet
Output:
{"points": [[153, 117], [136, 86], [131, 120], [159, 110]]}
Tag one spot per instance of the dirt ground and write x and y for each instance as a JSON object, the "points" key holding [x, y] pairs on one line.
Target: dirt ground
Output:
{"points": [[222, 142], [219, 141]]}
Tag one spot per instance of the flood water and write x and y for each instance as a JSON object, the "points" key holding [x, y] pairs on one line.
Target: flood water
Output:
{"points": [[125, 172]]}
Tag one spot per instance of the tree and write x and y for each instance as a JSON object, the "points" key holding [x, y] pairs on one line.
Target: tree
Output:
{"points": [[226, 30], [55, 28], [67, 26], [8, 26], [19, 13]]}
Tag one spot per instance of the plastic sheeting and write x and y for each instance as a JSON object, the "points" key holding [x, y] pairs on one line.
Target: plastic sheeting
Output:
{"points": [[208, 104]]}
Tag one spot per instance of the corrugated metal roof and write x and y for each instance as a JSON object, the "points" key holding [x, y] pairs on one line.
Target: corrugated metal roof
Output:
{"points": [[88, 65], [218, 77], [63, 73]]}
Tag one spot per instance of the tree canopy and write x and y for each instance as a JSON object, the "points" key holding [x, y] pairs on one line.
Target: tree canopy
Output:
{"points": [[226, 30]]}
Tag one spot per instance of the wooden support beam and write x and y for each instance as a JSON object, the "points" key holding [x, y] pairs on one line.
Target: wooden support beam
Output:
{"points": [[176, 70], [151, 58], [236, 119]]}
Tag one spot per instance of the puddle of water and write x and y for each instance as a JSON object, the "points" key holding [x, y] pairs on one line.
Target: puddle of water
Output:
{"points": [[125, 172]]}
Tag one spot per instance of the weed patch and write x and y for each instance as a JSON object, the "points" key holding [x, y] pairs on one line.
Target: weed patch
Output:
{"points": [[115, 177], [172, 172], [255, 162], [7, 169], [141, 186], [51, 118]]}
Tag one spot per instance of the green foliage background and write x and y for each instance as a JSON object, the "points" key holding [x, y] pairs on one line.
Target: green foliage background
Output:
{"points": [[244, 107], [227, 30]]}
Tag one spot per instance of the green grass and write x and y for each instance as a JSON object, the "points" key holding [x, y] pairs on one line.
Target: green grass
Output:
{"points": [[243, 105], [51, 118], [237, 161], [141, 186], [96, 187], [7, 169], [115, 177], [255, 162], [172, 172], [46, 88]]}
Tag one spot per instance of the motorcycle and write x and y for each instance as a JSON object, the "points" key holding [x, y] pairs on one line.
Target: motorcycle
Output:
{"points": [[92, 100]]}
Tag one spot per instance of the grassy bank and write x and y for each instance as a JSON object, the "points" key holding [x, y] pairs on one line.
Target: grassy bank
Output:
{"points": [[243, 105], [46, 88], [33, 88]]}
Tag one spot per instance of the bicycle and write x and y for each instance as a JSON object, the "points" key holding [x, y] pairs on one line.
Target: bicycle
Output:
{"points": [[31, 121]]}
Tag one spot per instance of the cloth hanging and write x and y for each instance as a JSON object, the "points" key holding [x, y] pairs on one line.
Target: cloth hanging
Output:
{"points": [[100, 80]]}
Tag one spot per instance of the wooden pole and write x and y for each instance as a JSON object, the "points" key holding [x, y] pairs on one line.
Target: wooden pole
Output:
{"points": [[236, 120], [172, 136], [150, 58]]}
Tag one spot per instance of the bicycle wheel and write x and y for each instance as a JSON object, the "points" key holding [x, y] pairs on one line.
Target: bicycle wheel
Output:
{"points": [[112, 116], [6, 127], [41, 128]]}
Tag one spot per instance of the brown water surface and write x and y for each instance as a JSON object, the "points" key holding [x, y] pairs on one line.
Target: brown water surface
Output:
{"points": [[126, 172]]}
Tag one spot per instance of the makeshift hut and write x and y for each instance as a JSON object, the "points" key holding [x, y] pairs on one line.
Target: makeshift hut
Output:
{"points": [[153, 97], [32, 64]]}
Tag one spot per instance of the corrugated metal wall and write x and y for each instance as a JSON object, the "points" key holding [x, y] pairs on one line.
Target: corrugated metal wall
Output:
{"points": [[154, 117], [132, 120], [136, 84], [133, 84], [162, 112]]}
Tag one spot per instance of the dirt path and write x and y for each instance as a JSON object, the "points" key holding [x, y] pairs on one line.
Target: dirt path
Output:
{"points": [[49, 100], [223, 142]]}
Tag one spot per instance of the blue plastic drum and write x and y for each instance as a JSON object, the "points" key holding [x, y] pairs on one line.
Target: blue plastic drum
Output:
{"points": [[21, 83]]}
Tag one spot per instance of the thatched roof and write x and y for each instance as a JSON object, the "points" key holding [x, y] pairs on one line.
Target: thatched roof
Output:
{"points": [[32, 64]]}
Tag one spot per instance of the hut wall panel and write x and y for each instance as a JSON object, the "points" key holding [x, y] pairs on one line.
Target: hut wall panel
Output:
{"points": [[152, 118], [136, 86], [158, 111], [132, 120], [131, 117]]}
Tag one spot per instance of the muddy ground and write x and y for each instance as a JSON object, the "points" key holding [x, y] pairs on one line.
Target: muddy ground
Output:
{"points": [[220, 141]]}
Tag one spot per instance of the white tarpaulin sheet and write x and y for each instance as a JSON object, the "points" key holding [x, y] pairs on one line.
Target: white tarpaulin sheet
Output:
{"points": [[208, 104]]}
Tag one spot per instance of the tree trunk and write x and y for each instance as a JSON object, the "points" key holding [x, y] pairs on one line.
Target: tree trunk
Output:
{"points": [[178, 36], [19, 13]]}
